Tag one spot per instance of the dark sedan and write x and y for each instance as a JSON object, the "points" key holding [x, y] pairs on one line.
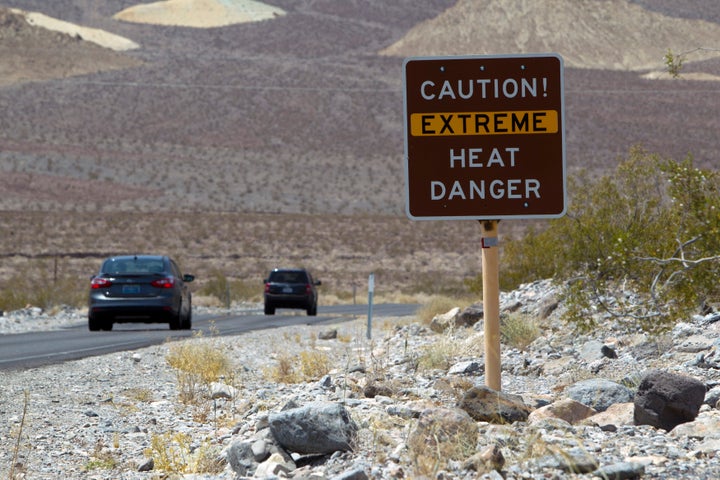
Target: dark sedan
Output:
{"points": [[291, 288], [140, 289]]}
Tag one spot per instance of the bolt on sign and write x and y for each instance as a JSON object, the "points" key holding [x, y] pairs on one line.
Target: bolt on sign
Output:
{"points": [[484, 137]]}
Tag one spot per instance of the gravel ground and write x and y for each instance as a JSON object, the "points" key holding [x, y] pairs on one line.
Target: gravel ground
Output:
{"points": [[105, 417]]}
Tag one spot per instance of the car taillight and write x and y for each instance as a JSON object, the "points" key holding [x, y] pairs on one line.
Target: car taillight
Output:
{"points": [[166, 282], [267, 288], [100, 283], [308, 288]]}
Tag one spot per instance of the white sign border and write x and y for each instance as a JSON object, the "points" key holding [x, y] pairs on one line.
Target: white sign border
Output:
{"points": [[405, 134]]}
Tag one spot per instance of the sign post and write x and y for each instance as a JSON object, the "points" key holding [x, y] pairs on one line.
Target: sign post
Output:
{"points": [[484, 140], [371, 292], [491, 303]]}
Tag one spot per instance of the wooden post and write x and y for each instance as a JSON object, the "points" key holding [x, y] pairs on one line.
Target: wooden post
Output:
{"points": [[491, 302]]}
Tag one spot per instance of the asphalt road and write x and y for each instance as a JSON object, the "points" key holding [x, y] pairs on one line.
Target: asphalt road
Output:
{"points": [[28, 350]]}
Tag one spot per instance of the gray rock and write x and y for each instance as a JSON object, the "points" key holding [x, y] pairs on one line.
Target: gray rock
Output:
{"points": [[354, 474], [620, 471], [599, 393], [318, 427]]}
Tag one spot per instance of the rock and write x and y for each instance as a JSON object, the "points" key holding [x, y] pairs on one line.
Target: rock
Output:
{"points": [[220, 390], [471, 315], [599, 393], [328, 334], [442, 322], [665, 400], [372, 389], [491, 458], [146, 465], [484, 404], [353, 474], [573, 460], [620, 471], [245, 456], [705, 425], [614, 416], [565, 409], [467, 367], [274, 465], [318, 427], [591, 351]]}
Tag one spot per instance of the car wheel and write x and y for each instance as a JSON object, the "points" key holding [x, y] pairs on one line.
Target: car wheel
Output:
{"points": [[175, 322], [94, 324], [186, 323], [312, 311], [107, 325], [269, 309]]}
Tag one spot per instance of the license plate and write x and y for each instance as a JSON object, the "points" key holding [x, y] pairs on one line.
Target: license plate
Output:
{"points": [[287, 289], [131, 289]]}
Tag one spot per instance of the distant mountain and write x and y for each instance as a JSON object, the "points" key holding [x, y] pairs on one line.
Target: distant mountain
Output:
{"points": [[589, 34], [304, 112]]}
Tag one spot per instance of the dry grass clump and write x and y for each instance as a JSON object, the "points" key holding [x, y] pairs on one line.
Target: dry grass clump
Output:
{"points": [[177, 453], [437, 305], [440, 437], [519, 331], [197, 365], [449, 348], [307, 366]]}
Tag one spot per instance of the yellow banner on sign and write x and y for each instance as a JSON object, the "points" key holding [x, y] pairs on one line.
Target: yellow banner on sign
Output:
{"points": [[483, 123]]}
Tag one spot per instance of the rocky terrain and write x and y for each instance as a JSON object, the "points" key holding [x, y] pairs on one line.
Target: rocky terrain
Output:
{"points": [[245, 146], [401, 405]]}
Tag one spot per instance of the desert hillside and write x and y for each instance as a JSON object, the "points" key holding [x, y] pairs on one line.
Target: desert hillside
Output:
{"points": [[589, 34], [299, 109]]}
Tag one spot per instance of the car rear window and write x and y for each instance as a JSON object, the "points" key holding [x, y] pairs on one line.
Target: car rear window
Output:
{"points": [[133, 266], [288, 277]]}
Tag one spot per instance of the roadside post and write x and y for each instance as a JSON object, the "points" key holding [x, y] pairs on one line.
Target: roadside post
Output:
{"points": [[484, 141], [371, 291]]}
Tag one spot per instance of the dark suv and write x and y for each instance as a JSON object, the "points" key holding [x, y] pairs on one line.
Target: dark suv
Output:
{"points": [[291, 288]]}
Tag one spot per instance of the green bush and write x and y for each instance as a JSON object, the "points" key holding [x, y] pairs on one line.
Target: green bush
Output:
{"points": [[651, 227]]}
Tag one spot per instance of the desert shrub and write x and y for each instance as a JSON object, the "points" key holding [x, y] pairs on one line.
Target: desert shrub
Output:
{"points": [[197, 365], [651, 228], [309, 365], [447, 349], [519, 331], [177, 453]]}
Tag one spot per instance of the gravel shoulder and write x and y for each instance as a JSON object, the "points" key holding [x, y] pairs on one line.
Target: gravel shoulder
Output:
{"points": [[105, 417]]}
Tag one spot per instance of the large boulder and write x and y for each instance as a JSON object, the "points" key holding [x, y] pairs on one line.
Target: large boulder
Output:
{"points": [[316, 428], [665, 400]]}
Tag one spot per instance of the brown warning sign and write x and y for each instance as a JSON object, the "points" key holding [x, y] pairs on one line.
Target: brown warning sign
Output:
{"points": [[484, 137]]}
